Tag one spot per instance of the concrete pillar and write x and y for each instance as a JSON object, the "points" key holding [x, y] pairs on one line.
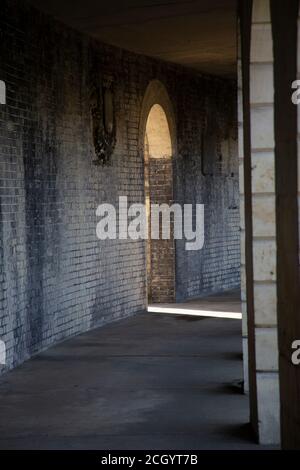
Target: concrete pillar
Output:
{"points": [[284, 27], [264, 222], [245, 13], [260, 227], [298, 128], [242, 214]]}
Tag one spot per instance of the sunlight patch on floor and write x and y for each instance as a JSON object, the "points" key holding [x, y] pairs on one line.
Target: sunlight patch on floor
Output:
{"points": [[195, 312]]}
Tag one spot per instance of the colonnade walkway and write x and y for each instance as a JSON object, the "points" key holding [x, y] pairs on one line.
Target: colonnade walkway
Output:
{"points": [[152, 381]]}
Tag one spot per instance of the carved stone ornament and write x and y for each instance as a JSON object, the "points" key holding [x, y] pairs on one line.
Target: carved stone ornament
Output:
{"points": [[103, 121]]}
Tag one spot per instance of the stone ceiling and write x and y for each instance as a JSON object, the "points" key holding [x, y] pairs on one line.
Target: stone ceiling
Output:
{"points": [[195, 33]]}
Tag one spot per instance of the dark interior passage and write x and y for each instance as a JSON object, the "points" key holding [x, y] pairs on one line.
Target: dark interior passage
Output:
{"points": [[153, 381], [56, 278]]}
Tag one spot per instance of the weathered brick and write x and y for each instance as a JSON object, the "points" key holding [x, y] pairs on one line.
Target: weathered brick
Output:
{"points": [[56, 278]]}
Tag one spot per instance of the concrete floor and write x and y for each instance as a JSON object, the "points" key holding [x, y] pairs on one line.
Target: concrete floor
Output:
{"points": [[154, 381]]}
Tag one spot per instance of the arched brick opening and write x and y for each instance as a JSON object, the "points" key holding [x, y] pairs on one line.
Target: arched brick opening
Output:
{"points": [[157, 139]]}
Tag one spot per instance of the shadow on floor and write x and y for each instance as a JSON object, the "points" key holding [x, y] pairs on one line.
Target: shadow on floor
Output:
{"points": [[149, 382]]}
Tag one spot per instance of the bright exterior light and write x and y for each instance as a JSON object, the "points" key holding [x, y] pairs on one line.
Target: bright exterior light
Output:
{"points": [[195, 312]]}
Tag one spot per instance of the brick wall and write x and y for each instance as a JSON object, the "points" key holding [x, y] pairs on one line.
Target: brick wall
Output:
{"points": [[162, 274], [56, 278], [206, 172]]}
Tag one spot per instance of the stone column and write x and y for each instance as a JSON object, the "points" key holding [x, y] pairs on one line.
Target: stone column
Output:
{"points": [[245, 13], [264, 223], [242, 214], [284, 26], [260, 224]]}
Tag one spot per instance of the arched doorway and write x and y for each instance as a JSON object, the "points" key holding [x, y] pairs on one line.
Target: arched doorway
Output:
{"points": [[157, 135]]}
